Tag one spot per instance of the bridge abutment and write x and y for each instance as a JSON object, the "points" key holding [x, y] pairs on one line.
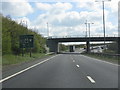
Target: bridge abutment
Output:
{"points": [[53, 46], [118, 45], [88, 46], [71, 48]]}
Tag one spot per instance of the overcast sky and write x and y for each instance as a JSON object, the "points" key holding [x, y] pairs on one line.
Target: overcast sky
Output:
{"points": [[64, 18]]}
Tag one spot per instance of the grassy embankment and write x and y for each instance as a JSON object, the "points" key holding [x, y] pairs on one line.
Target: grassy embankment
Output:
{"points": [[112, 59], [109, 58], [11, 51], [15, 59], [108, 54]]}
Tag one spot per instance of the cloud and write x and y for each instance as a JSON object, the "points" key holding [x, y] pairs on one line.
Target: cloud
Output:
{"points": [[67, 19], [63, 18], [70, 22], [53, 12], [14, 1], [43, 6], [113, 4], [88, 5], [16, 8], [55, 8]]}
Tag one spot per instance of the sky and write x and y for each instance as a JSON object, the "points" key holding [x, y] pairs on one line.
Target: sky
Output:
{"points": [[64, 17]]}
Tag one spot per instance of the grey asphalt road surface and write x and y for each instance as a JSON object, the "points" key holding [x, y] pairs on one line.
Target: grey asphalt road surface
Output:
{"points": [[67, 71]]}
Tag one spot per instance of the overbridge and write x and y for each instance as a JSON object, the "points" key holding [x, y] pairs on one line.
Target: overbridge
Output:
{"points": [[52, 43]]}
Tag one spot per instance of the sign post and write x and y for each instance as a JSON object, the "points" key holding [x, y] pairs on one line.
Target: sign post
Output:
{"points": [[26, 41], [30, 52]]}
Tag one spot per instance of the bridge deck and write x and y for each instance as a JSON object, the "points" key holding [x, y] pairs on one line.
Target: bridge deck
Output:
{"points": [[84, 39]]}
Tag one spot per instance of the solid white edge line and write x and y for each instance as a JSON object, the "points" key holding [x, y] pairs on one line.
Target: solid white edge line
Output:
{"points": [[2, 80], [91, 80], [77, 65]]}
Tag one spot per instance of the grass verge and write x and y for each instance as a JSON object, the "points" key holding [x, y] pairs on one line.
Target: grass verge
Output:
{"points": [[104, 58], [15, 59]]}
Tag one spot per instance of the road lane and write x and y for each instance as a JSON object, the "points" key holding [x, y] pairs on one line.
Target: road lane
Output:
{"points": [[61, 72], [26, 69], [105, 74]]}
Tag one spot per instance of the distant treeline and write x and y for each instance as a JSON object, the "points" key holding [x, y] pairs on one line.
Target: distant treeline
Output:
{"points": [[11, 31], [62, 47]]}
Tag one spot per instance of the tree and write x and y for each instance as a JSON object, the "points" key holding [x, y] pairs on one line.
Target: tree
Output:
{"points": [[62, 47], [10, 37]]}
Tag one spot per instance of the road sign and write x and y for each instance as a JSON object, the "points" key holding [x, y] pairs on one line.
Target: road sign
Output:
{"points": [[26, 41]]}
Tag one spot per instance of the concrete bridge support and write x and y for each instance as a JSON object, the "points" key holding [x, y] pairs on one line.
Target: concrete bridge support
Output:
{"points": [[71, 48], [53, 46], [118, 45], [88, 46]]}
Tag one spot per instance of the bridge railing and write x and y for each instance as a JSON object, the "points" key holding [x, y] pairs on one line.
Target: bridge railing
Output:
{"points": [[82, 36]]}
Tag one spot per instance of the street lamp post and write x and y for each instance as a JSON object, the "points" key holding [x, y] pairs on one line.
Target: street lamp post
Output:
{"points": [[89, 30], [24, 23], [47, 29], [103, 19], [88, 42], [103, 22], [26, 26], [86, 28]]}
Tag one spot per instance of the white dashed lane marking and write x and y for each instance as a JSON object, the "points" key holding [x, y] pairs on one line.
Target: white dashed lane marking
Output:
{"points": [[91, 80], [77, 65]]}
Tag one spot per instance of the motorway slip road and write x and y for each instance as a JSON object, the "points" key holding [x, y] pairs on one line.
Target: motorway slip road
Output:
{"points": [[65, 71]]}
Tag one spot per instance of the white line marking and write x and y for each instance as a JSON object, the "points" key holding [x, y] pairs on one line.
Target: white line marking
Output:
{"points": [[91, 80], [77, 65], [2, 80]]}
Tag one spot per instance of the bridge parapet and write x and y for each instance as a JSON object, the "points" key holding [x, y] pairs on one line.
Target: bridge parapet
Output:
{"points": [[81, 36]]}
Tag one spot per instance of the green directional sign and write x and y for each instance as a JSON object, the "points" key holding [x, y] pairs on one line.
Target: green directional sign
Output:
{"points": [[26, 41]]}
